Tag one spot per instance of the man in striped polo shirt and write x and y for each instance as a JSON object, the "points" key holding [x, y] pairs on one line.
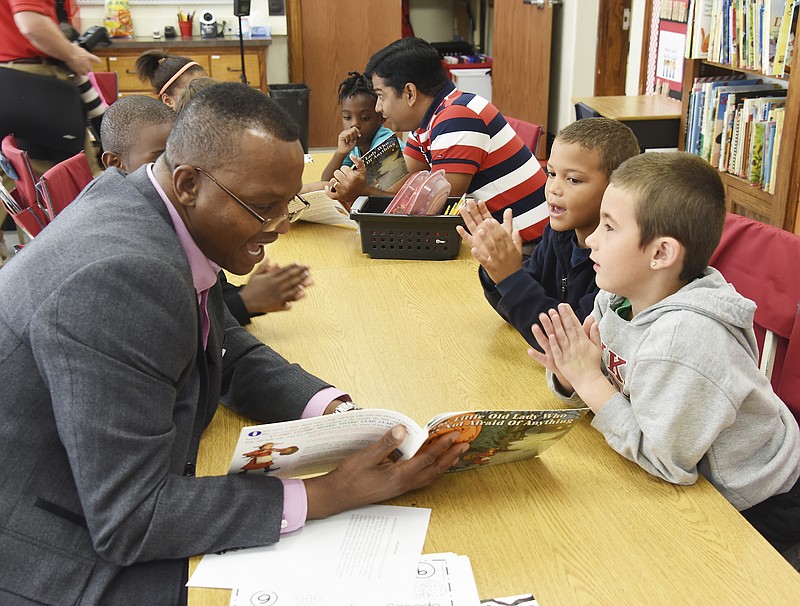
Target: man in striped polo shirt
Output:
{"points": [[459, 132]]}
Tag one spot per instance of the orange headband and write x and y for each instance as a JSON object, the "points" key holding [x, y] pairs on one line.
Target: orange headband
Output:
{"points": [[177, 75]]}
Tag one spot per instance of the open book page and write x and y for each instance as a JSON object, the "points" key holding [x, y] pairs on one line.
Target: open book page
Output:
{"points": [[325, 210], [385, 164], [502, 436], [317, 445]]}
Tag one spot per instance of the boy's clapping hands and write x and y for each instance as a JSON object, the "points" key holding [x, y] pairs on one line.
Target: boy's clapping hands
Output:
{"points": [[496, 246], [572, 352]]}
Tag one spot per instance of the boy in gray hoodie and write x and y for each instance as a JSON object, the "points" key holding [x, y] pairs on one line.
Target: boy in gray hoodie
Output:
{"points": [[668, 360]]}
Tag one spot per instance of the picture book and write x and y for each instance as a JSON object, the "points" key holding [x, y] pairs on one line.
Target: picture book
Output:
{"points": [[385, 164], [324, 209], [784, 34], [317, 445]]}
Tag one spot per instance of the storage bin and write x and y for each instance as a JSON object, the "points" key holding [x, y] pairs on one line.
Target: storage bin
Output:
{"points": [[431, 238]]}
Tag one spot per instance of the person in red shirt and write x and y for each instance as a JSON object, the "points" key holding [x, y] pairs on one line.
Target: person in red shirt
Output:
{"points": [[39, 103]]}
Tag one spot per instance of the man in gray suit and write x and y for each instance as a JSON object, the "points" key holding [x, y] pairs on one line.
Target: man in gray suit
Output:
{"points": [[115, 347]]}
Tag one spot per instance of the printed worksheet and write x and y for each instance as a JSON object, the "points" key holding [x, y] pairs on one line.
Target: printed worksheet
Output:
{"points": [[444, 579], [372, 550]]}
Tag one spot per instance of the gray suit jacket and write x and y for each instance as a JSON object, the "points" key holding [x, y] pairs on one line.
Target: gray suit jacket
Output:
{"points": [[105, 391]]}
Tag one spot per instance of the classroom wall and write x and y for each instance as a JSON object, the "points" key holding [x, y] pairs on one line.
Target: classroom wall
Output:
{"points": [[574, 52], [433, 20], [572, 59], [148, 18], [635, 53]]}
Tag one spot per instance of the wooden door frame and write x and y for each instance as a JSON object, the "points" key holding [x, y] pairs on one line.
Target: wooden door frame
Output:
{"points": [[609, 24], [645, 58], [295, 40]]}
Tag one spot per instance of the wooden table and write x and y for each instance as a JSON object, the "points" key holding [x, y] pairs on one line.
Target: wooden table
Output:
{"points": [[580, 525], [654, 119]]}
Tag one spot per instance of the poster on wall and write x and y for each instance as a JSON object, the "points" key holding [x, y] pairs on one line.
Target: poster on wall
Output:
{"points": [[669, 63], [667, 48]]}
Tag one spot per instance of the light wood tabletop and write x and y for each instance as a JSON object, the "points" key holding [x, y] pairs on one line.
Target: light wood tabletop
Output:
{"points": [[634, 107], [580, 524]]}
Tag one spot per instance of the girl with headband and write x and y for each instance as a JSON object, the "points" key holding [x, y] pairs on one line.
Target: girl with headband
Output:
{"points": [[168, 74]]}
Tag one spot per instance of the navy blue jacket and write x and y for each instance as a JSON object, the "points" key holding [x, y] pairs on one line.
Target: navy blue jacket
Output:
{"points": [[545, 280]]}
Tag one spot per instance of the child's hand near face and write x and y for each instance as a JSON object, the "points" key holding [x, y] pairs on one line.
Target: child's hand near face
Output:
{"points": [[498, 247], [347, 140]]}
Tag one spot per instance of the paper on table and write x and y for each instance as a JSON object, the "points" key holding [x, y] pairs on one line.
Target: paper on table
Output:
{"points": [[444, 579], [325, 209], [366, 549]]}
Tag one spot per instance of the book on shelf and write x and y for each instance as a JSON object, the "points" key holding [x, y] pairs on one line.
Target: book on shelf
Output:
{"points": [[317, 445], [385, 164], [780, 114], [725, 96], [326, 210], [698, 30], [746, 34], [791, 46], [785, 36]]}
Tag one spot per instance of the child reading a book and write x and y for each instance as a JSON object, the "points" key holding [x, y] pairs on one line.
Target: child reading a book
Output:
{"points": [[362, 126], [584, 155], [135, 131], [668, 359]]}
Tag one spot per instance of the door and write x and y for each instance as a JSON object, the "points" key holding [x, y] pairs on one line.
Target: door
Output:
{"points": [[335, 37], [613, 40], [522, 36]]}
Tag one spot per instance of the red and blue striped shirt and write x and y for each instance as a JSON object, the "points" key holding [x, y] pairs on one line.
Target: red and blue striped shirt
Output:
{"points": [[464, 133]]}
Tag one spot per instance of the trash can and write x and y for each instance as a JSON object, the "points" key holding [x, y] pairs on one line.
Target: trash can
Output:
{"points": [[294, 99]]}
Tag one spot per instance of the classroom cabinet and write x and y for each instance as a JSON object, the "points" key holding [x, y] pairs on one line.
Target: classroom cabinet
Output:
{"points": [[219, 57]]}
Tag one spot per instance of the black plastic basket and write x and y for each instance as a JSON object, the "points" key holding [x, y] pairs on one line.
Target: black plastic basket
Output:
{"points": [[429, 238]]}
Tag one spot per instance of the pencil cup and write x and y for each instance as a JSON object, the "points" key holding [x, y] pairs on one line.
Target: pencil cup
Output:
{"points": [[186, 28]]}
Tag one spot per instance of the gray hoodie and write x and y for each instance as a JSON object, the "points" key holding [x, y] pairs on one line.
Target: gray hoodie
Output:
{"points": [[692, 399]]}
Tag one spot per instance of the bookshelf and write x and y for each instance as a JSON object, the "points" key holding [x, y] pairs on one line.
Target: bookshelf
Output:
{"points": [[780, 208]]}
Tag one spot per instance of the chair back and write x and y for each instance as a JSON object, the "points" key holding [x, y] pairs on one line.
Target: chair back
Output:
{"points": [[107, 84], [61, 184], [761, 261], [29, 220], [528, 132], [24, 179], [584, 111]]}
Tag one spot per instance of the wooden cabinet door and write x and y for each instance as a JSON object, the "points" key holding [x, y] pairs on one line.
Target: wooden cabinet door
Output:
{"points": [[522, 38], [337, 36], [228, 68]]}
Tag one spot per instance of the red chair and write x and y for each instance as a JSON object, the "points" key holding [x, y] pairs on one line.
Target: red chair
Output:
{"points": [[61, 184], [28, 221], [25, 178], [28, 213], [528, 132], [107, 85], [762, 261]]}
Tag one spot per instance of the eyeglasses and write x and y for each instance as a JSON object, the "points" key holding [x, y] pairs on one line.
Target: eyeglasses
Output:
{"points": [[296, 206]]}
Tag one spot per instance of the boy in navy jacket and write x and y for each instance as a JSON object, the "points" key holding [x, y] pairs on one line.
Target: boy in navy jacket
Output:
{"points": [[584, 155]]}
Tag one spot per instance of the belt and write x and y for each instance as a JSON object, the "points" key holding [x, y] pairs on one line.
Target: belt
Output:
{"points": [[30, 61]]}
